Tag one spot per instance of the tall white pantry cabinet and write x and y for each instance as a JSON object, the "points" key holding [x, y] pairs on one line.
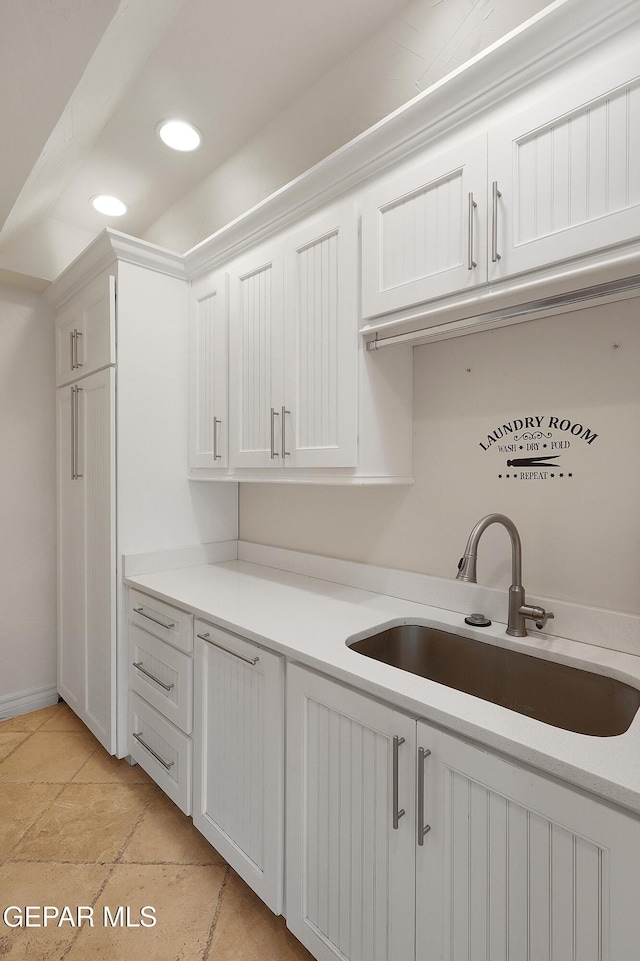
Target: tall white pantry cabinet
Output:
{"points": [[121, 376]]}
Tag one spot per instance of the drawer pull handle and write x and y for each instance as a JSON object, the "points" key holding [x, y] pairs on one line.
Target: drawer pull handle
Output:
{"points": [[422, 827], [143, 670], [166, 764], [141, 610], [248, 660]]}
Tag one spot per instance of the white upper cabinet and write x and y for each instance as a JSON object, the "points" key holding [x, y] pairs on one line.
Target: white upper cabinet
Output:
{"points": [[256, 356], [294, 348], [424, 230], [568, 171], [318, 425], [209, 373], [86, 331]]}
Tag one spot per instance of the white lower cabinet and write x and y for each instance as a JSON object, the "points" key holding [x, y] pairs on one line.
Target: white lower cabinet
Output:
{"points": [[349, 870], [163, 751], [238, 791], [161, 694], [517, 865], [512, 864]]}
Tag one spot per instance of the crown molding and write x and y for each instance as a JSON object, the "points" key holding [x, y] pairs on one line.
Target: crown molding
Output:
{"points": [[109, 248], [560, 32]]}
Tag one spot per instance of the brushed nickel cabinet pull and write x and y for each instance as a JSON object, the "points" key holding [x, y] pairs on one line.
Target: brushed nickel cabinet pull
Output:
{"points": [[140, 610], [76, 362], [248, 660], [72, 445], [274, 414], [397, 814], [495, 256], [75, 439], [166, 764], [470, 261], [72, 349], [422, 827], [285, 452], [143, 670], [216, 455]]}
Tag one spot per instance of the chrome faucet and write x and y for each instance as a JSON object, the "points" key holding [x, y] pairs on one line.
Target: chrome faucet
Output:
{"points": [[519, 610]]}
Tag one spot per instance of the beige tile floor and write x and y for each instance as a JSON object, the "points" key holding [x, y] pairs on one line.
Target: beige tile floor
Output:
{"points": [[79, 828]]}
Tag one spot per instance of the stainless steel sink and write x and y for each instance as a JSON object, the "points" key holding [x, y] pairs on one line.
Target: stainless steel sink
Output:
{"points": [[564, 696]]}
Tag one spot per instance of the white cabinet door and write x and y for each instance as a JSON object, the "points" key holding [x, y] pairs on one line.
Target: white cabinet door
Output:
{"points": [[519, 866], [208, 373], [568, 170], [86, 331], [319, 420], [424, 231], [87, 551], [238, 796], [72, 569], [256, 352], [350, 872]]}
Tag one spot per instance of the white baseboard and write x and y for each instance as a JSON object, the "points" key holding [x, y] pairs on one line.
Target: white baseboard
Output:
{"points": [[11, 705]]}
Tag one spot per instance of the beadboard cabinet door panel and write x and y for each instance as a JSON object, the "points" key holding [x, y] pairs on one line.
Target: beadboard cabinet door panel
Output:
{"points": [[209, 373], [319, 421], [350, 872], [519, 866], [424, 230], [568, 172], [256, 352], [86, 331], [238, 798]]}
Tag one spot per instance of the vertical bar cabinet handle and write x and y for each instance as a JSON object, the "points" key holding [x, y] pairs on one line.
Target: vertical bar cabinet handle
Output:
{"points": [[397, 814], [274, 414], [422, 827], [72, 351], [285, 452], [495, 256], [472, 206], [216, 455], [72, 445], [76, 436], [78, 333]]}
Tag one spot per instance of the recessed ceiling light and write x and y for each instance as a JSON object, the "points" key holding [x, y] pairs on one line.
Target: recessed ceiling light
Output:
{"points": [[179, 135], [110, 206]]}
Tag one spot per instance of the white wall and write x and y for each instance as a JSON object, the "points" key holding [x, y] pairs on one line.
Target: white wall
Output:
{"points": [[428, 40], [580, 533], [27, 496]]}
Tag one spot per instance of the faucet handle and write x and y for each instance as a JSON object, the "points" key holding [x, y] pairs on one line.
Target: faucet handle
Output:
{"points": [[540, 622], [536, 614]]}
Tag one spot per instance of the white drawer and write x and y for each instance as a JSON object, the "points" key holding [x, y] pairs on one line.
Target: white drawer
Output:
{"points": [[163, 676], [164, 752], [168, 623]]}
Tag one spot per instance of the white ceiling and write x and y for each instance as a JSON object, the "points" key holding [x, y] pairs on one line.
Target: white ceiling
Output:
{"points": [[85, 82]]}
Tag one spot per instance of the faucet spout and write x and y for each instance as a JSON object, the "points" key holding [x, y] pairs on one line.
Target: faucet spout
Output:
{"points": [[518, 609], [467, 564]]}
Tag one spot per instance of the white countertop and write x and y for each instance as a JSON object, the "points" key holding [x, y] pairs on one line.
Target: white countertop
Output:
{"points": [[309, 620]]}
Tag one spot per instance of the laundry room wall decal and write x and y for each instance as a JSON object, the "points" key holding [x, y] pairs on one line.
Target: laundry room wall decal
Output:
{"points": [[542, 443]]}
